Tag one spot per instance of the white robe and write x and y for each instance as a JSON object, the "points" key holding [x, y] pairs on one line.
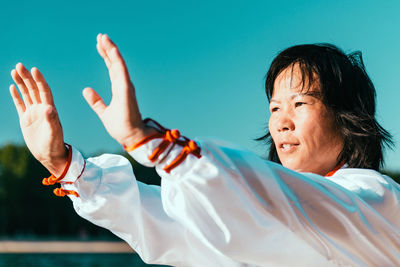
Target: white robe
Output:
{"points": [[232, 208]]}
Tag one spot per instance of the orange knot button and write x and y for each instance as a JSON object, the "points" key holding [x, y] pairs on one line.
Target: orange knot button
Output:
{"points": [[172, 135], [59, 192], [49, 181], [45, 181], [192, 146]]}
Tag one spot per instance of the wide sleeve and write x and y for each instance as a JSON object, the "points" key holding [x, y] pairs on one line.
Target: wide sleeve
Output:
{"points": [[261, 213], [104, 191]]}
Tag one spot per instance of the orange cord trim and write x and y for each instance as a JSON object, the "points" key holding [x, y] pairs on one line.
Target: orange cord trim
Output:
{"points": [[332, 172], [62, 192], [169, 137], [52, 179], [190, 148], [148, 138], [144, 141]]}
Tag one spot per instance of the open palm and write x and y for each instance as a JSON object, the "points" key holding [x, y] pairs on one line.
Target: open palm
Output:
{"points": [[121, 117], [38, 116], [39, 120]]}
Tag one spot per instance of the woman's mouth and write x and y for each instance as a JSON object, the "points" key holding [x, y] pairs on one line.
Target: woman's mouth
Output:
{"points": [[288, 147]]}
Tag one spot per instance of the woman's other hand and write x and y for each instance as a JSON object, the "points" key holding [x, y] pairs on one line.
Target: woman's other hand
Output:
{"points": [[38, 118], [121, 117]]}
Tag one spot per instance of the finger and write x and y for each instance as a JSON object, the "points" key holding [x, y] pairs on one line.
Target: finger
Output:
{"points": [[29, 83], [118, 66], [22, 88], [44, 89], [103, 55], [101, 51], [19, 104], [94, 101]]}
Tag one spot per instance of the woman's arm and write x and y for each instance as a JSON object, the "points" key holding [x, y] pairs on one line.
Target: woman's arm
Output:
{"points": [[259, 212], [109, 196], [104, 189]]}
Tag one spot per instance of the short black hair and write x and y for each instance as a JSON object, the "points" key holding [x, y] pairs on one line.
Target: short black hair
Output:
{"points": [[346, 90]]}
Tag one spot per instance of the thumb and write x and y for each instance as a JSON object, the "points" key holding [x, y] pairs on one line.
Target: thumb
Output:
{"points": [[94, 100]]}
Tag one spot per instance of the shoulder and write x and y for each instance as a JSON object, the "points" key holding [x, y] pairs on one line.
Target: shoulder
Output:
{"points": [[365, 182]]}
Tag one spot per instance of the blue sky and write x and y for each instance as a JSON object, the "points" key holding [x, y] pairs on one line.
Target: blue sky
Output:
{"points": [[198, 66]]}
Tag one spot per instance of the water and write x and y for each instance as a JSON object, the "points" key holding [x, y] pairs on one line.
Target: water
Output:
{"points": [[71, 259]]}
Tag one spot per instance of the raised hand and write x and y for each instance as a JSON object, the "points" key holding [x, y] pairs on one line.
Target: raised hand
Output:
{"points": [[121, 117], [38, 118]]}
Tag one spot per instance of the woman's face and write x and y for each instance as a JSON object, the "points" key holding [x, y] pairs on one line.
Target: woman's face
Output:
{"points": [[301, 127]]}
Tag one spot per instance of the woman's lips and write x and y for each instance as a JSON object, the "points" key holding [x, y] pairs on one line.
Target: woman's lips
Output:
{"points": [[288, 147]]}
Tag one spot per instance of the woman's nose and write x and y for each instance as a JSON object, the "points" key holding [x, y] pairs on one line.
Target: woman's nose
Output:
{"points": [[285, 123]]}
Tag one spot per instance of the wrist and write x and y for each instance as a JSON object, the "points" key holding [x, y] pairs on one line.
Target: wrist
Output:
{"points": [[57, 164], [136, 136]]}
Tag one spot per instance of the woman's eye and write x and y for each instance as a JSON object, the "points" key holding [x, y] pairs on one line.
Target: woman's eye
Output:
{"points": [[299, 104], [274, 109]]}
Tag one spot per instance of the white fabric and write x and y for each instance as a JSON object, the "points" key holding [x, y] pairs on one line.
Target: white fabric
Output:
{"points": [[110, 197], [231, 208], [261, 213]]}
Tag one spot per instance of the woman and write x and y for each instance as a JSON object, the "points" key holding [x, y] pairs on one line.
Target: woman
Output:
{"points": [[325, 205]]}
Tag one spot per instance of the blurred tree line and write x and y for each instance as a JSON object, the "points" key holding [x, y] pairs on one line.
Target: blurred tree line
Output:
{"points": [[29, 210]]}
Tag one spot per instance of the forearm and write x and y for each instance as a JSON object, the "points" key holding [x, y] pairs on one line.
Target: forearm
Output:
{"points": [[110, 196]]}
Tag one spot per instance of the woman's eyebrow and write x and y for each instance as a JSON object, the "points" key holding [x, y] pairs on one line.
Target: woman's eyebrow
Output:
{"points": [[291, 97], [300, 94], [312, 94]]}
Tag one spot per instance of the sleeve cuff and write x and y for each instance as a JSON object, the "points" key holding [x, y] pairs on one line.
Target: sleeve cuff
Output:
{"points": [[76, 167], [142, 153], [166, 149]]}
